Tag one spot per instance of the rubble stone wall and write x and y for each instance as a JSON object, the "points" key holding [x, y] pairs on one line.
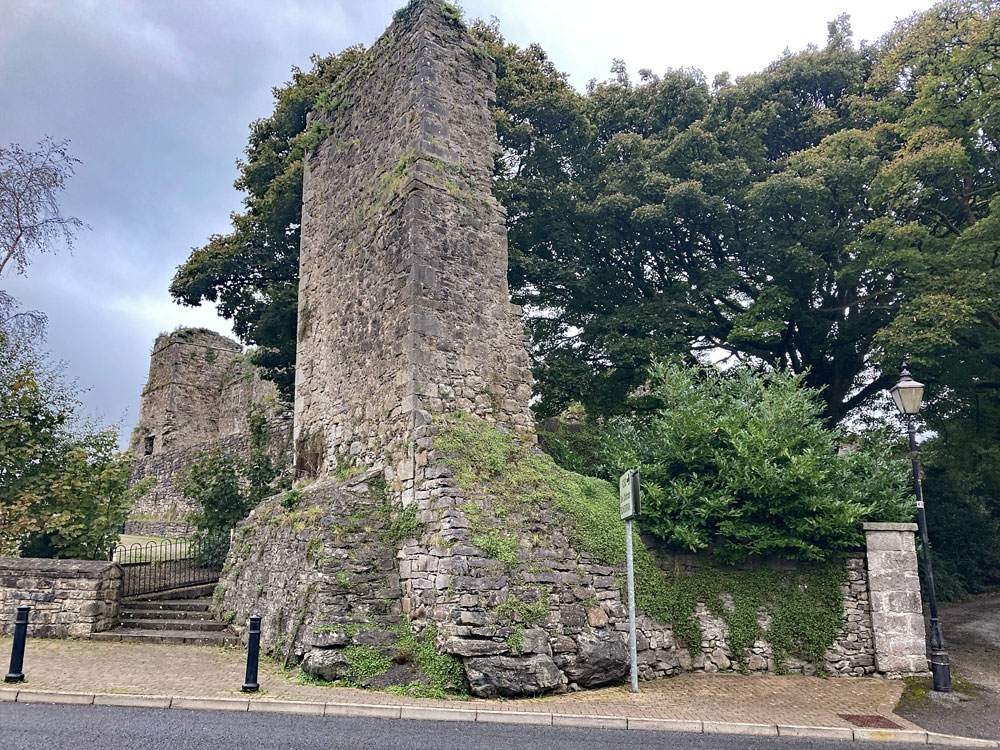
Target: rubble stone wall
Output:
{"points": [[68, 598], [163, 508], [403, 298]]}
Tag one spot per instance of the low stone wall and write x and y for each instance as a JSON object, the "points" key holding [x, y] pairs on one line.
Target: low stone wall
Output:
{"points": [[68, 598]]}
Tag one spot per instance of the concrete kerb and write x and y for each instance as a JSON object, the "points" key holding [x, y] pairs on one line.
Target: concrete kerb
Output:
{"points": [[434, 713]]}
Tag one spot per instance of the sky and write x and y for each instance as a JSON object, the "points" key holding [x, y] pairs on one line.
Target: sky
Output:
{"points": [[156, 97]]}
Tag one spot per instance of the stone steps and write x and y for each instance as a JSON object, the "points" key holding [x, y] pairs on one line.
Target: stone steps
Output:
{"points": [[178, 620], [199, 625], [175, 637], [192, 609], [199, 591]]}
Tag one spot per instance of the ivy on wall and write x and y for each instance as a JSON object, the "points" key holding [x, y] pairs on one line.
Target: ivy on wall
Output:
{"points": [[804, 606]]}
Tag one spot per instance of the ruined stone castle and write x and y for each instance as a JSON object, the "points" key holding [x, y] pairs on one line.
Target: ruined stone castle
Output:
{"points": [[197, 397], [406, 333]]}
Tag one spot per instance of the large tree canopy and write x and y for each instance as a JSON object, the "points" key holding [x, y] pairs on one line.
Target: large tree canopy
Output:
{"points": [[827, 216]]}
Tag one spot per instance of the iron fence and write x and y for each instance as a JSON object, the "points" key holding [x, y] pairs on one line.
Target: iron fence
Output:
{"points": [[173, 563]]}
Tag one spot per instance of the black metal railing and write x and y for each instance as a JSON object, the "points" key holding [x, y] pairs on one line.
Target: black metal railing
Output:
{"points": [[170, 564]]}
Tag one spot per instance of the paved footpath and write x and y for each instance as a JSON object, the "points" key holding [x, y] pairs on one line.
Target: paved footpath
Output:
{"points": [[719, 703]]}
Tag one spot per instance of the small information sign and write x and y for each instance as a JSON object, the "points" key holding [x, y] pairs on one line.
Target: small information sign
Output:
{"points": [[628, 494]]}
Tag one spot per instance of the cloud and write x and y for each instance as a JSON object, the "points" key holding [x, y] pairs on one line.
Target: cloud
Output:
{"points": [[156, 98]]}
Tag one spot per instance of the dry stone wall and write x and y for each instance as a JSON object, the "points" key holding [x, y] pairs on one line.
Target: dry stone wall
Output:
{"points": [[403, 300], [68, 598]]}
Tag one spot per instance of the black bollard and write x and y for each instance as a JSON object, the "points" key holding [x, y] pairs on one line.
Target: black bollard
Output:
{"points": [[16, 673], [251, 685]]}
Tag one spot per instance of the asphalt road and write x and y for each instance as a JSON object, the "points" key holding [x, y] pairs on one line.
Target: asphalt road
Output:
{"points": [[47, 727]]}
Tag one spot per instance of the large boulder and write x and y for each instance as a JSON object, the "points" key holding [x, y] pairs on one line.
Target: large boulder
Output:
{"points": [[326, 664], [492, 676], [601, 658]]}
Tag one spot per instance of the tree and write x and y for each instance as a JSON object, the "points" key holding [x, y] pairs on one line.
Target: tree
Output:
{"points": [[804, 218], [214, 484], [252, 272], [741, 464], [63, 487], [225, 487], [30, 218]]}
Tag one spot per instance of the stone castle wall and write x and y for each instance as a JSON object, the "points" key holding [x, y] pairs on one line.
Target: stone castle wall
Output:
{"points": [[198, 395], [403, 300], [326, 575]]}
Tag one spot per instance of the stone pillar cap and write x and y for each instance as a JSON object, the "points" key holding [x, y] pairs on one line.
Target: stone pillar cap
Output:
{"points": [[889, 526]]}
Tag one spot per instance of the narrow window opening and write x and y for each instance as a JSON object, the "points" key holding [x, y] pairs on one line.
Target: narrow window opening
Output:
{"points": [[147, 445]]}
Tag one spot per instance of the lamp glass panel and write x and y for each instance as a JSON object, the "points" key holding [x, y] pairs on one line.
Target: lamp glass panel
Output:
{"points": [[897, 397], [910, 397]]}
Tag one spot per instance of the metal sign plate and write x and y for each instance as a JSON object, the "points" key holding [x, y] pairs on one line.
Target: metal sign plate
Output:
{"points": [[628, 494]]}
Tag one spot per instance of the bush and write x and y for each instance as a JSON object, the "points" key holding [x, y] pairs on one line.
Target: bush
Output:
{"points": [[213, 483], [741, 463], [226, 488]]}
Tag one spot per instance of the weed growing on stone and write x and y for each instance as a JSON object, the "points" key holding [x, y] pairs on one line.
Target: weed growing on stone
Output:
{"points": [[366, 662]]}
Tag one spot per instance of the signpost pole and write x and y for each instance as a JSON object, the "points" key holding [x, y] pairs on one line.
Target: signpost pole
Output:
{"points": [[631, 607]]}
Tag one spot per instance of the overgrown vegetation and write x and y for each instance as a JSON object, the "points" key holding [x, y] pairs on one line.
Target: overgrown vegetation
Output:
{"points": [[741, 464], [443, 675], [805, 606], [225, 487]]}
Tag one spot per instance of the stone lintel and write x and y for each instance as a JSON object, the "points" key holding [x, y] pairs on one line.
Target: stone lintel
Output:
{"points": [[869, 527]]}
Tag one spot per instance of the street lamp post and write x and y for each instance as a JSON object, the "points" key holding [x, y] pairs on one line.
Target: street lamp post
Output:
{"points": [[907, 394]]}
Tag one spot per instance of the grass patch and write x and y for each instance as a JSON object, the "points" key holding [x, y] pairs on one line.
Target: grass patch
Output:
{"points": [[916, 694]]}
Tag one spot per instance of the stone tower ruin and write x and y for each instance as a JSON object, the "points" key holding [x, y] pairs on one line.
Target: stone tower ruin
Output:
{"points": [[404, 320], [403, 297], [198, 394]]}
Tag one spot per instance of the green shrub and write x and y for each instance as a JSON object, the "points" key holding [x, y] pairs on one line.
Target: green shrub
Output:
{"points": [[213, 483], [741, 463], [290, 500]]}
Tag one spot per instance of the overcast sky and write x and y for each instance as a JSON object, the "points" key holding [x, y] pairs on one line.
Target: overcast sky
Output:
{"points": [[156, 96]]}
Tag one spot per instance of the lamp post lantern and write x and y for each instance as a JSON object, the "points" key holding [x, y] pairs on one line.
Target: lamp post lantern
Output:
{"points": [[907, 394]]}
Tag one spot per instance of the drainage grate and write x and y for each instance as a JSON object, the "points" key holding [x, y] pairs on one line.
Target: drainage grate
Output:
{"points": [[870, 721]]}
